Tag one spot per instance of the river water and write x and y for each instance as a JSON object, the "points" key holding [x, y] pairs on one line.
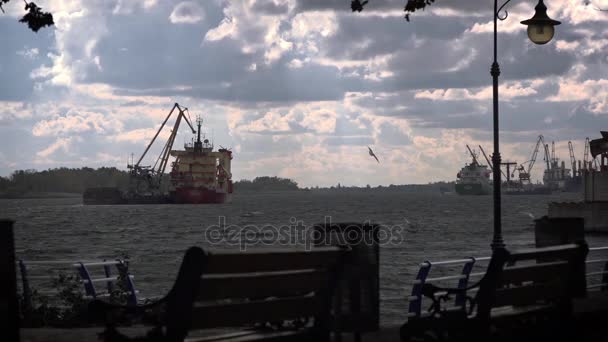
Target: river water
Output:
{"points": [[426, 226]]}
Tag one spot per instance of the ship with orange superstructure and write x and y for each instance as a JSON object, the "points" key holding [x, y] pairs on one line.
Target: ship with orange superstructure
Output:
{"points": [[199, 174]]}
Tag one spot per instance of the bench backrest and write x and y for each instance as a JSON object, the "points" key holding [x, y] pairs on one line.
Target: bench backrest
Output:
{"points": [[535, 276], [228, 289]]}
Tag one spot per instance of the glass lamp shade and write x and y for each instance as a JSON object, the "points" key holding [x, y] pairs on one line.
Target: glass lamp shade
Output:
{"points": [[540, 26], [541, 34]]}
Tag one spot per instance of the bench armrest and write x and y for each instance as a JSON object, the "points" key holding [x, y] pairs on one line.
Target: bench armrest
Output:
{"points": [[442, 294], [430, 290]]}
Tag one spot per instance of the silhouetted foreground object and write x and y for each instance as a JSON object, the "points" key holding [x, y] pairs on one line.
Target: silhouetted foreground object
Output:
{"points": [[284, 293], [524, 296], [35, 18], [357, 309], [558, 231], [9, 309]]}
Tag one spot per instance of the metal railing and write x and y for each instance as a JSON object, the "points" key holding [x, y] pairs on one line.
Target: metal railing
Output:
{"points": [[597, 270], [51, 269]]}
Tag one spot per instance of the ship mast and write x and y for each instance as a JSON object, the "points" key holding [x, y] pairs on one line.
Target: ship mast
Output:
{"points": [[198, 145]]}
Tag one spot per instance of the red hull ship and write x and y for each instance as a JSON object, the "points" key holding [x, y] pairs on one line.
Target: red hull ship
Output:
{"points": [[199, 174]]}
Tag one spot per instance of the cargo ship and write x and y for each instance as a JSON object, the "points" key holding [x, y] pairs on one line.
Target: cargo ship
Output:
{"points": [[198, 174], [473, 178]]}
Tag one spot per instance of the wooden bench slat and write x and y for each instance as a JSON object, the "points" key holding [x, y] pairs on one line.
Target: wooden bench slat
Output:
{"points": [[256, 285], [562, 252], [537, 272], [254, 336], [272, 260], [529, 294], [229, 315]]}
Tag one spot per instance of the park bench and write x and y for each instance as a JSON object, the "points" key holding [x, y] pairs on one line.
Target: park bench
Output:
{"points": [[267, 294], [527, 288]]}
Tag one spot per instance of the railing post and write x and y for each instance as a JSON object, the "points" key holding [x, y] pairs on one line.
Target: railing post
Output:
{"points": [[9, 312], [108, 272], [416, 305], [461, 299], [26, 289], [605, 278], [87, 281], [123, 272]]}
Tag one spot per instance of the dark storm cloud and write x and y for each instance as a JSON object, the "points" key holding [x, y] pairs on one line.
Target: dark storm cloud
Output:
{"points": [[429, 65], [275, 84], [17, 59], [361, 38], [427, 112], [177, 62]]}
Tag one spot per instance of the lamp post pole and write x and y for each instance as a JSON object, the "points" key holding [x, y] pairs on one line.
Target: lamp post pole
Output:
{"points": [[540, 31], [497, 241]]}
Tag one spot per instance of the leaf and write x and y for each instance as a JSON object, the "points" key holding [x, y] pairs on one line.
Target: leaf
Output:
{"points": [[357, 5], [35, 18]]}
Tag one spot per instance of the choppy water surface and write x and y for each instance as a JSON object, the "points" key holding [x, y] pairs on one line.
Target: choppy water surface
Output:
{"points": [[434, 227]]}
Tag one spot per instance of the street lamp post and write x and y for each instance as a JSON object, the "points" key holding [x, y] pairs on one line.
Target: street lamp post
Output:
{"points": [[540, 31]]}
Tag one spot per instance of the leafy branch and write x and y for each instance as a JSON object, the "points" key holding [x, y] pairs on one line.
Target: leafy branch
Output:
{"points": [[410, 7], [35, 18]]}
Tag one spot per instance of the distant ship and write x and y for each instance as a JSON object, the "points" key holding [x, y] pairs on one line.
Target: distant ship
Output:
{"points": [[473, 179], [198, 174]]}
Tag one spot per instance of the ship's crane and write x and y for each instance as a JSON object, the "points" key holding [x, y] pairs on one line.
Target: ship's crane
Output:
{"points": [[572, 159], [489, 161], [524, 175], [152, 176], [547, 155], [586, 155], [472, 155]]}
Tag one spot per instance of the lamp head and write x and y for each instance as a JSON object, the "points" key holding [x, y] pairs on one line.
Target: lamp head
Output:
{"points": [[540, 26]]}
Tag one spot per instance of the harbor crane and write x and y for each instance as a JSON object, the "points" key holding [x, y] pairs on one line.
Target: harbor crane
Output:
{"points": [[572, 159], [525, 173], [149, 178]]}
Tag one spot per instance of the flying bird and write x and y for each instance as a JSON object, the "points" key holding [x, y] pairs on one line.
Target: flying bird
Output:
{"points": [[371, 153]]}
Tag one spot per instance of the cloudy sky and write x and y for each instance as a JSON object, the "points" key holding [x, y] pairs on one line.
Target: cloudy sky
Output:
{"points": [[298, 88]]}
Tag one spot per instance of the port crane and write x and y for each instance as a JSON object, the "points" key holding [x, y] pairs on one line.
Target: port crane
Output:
{"points": [[525, 173], [572, 159], [149, 178]]}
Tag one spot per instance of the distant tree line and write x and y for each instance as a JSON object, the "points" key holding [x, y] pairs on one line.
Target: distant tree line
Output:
{"points": [[415, 188], [266, 184], [62, 180]]}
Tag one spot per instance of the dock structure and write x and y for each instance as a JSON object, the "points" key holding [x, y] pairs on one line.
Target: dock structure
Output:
{"points": [[594, 207]]}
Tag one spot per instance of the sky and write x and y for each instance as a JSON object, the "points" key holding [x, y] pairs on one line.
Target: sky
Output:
{"points": [[299, 88]]}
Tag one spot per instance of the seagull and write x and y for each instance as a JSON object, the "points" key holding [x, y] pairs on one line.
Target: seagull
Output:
{"points": [[371, 153]]}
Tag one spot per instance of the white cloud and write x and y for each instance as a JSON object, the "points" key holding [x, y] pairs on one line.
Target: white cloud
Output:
{"points": [[187, 12], [75, 122]]}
